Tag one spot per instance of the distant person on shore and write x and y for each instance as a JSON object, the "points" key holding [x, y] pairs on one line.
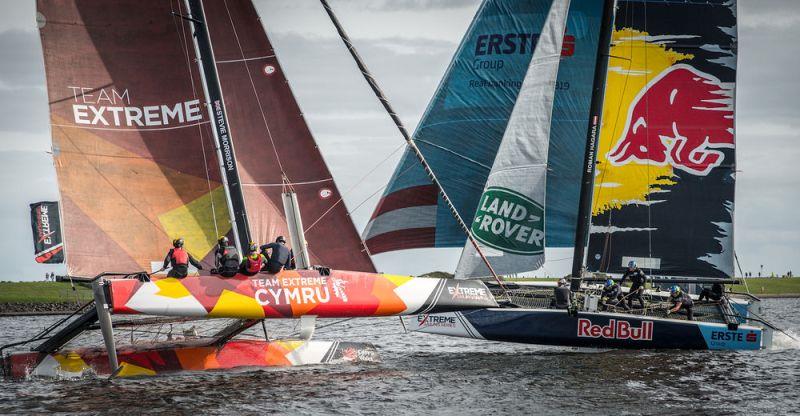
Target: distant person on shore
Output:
{"points": [[179, 259], [638, 280], [612, 296], [280, 257], [562, 296], [680, 300], [715, 293]]}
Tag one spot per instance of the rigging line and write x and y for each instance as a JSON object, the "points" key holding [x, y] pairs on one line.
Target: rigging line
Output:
{"points": [[255, 91], [352, 188], [185, 46]]}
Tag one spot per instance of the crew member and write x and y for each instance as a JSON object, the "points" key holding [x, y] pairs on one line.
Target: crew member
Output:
{"points": [[280, 257], [178, 258], [611, 296], [638, 280], [715, 293], [226, 258], [562, 296], [680, 300], [254, 262]]}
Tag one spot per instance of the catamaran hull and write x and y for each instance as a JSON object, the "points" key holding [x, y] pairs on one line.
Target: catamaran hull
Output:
{"points": [[294, 293], [598, 330], [149, 361]]}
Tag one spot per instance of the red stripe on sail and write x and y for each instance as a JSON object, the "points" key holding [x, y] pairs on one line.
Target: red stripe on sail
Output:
{"points": [[402, 240], [405, 198]]}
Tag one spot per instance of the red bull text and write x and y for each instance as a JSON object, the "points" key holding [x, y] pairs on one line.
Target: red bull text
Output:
{"points": [[615, 330]]}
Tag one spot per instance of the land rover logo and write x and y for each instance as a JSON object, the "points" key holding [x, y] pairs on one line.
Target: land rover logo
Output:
{"points": [[509, 221]]}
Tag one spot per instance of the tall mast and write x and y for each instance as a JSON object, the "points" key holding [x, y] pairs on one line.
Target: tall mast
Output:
{"points": [[411, 144], [221, 130], [595, 118]]}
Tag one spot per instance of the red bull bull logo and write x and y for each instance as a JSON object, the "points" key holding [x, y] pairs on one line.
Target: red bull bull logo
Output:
{"points": [[681, 118]]}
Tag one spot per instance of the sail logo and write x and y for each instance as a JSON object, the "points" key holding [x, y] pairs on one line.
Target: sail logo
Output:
{"points": [[509, 221], [516, 43], [110, 107], [615, 330]]}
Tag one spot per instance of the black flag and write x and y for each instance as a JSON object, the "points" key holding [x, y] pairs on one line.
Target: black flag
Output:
{"points": [[46, 224]]}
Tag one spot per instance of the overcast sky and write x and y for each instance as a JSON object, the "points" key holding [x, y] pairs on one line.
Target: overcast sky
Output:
{"points": [[407, 44]]}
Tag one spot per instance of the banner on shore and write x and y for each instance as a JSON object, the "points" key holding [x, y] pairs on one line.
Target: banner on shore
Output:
{"points": [[48, 247]]}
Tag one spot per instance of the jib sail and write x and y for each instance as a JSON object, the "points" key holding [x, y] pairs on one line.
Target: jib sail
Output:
{"points": [[48, 246], [461, 130], [510, 220], [273, 144], [664, 190]]}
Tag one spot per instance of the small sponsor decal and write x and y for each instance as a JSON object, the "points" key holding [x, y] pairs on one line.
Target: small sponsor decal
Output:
{"points": [[269, 69], [468, 293], [733, 336], [325, 193], [440, 321], [509, 221], [615, 330]]}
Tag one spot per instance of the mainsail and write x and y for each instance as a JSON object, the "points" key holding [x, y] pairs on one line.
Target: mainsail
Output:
{"points": [[461, 130], [510, 220], [664, 188], [274, 146], [135, 154]]}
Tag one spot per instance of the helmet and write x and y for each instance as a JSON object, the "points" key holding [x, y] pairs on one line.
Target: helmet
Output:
{"points": [[178, 242], [223, 240], [609, 282], [675, 290], [631, 264], [280, 239], [562, 281], [253, 247]]}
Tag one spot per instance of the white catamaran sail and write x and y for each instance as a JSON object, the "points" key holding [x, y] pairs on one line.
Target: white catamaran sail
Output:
{"points": [[510, 216]]}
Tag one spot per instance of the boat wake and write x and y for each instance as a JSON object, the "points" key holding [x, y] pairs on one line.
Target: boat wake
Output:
{"points": [[786, 341]]}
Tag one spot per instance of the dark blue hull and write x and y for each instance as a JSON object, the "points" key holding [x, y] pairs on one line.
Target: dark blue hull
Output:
{"points": [[589, 329]]}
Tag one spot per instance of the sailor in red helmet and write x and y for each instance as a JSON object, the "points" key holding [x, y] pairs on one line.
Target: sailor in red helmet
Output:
{"points": [[178, 259]]}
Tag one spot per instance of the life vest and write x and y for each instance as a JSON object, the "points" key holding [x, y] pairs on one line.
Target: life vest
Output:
{"points": [[180, 256], [254, 264]]}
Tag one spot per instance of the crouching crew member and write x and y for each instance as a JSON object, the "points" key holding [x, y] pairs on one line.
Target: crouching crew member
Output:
{"points": [[714, 294], [226, 258], [680, 300], [254, 262], [280, 256], [562, 296], [178, 258], [638, 280], [612, 296]]}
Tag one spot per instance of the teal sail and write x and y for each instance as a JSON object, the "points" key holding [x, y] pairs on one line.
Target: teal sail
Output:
{"points": [[462, 128]]}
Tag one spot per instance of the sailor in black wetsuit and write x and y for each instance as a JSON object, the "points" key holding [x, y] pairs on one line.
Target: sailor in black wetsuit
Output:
{"points": [[179, 260], [562, 296], [680, 300], [611, 296], [638, 280], [714, 294], [226, 258], [279, 258]]}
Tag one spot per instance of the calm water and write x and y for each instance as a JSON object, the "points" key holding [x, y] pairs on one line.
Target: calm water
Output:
{"points": [[431, 374]]}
